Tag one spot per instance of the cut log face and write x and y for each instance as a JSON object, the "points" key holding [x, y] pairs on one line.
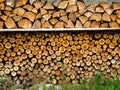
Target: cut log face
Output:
{"points": [[87, 24], [46, 16], [72, 2], [2, 6], [1, 24], [53, 21], [10, 23], [25, 23], [83, 19], [2, 1], [113, 24], [96, 17], [19, 11], [36, 24], [21, 3], [59, 50], [46, 25], [28, 7], [29, 15], [43, 11], [106, 17], [78, 24], [69, 24], [48, 5], [91, 8], [95, 24], [64, 18], [59, 24], [81, 6], [38, 4], [1, 46], [63, 4], [99, 10], [105, 5], [71, 8]]}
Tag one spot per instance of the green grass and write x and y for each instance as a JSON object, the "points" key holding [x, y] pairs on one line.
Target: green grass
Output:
{"points": [[95, 83]]}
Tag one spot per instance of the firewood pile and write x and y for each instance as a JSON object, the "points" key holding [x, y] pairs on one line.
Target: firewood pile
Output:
{"points": [[59, 14], [51, 55]]}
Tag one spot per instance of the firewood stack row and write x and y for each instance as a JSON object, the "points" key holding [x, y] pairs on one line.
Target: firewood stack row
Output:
{"points": [[54, 55], [59, 14]]}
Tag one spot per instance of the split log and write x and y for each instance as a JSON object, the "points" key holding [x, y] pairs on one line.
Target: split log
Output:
{"points": [[21, 3], [99, 9], [47, 25], [113, 24], [95, 24], [69, 24], [24, 23], [78, 24], [1, 24], [10, 23], [106, 17], [83, 19], [19, 11], [29, 15], [96, 16], [48, 5], [59, 24], [28, 7], [36, 24], [53, 21], [64, 18], [2, 6], [81, 6], [38, 4], [63, 4]]}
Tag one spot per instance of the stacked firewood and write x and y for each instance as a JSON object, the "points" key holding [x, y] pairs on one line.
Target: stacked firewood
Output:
{"points": [[74, 55], [59, 14]]}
